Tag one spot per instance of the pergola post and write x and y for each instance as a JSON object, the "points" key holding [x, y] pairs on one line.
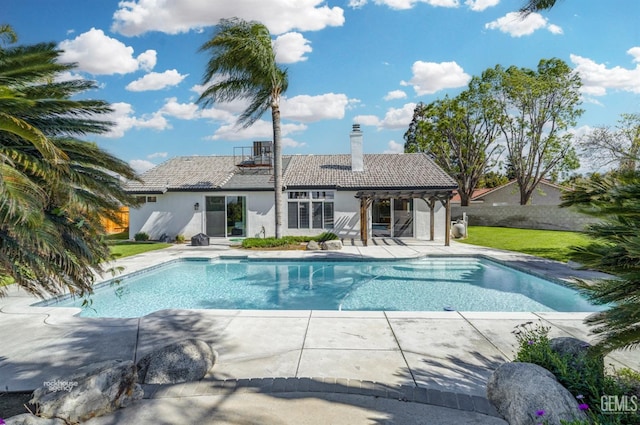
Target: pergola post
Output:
{"points": [[447, 226], [364, 228], [432, 218]]}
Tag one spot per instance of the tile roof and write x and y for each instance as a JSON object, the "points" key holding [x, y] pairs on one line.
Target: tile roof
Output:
{"points": [[388, 171], [380, 171]]}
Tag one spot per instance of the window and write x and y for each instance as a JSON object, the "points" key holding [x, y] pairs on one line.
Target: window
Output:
{"points": [[141, 199], [317, 214], [151, 199]]}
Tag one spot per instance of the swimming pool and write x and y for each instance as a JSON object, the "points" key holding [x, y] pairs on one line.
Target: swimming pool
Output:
{"points": [[428, 284]]}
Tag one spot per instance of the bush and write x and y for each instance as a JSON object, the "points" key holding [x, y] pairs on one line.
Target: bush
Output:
{"points": [[326, 236], [180, 239], [587, 383], [141, 237]]}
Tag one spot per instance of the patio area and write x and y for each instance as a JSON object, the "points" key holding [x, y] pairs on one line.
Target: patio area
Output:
{"points": [[438, 360]]}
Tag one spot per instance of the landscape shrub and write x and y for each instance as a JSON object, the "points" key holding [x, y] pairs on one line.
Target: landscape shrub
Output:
{"points": [[587, 383], [141, 237]]}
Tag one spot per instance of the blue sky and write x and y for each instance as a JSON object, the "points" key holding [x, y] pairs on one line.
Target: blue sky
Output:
{"points": [[364, 61]]}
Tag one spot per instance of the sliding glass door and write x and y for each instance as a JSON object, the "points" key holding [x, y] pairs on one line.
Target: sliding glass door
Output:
{"points": [[226, 216]]}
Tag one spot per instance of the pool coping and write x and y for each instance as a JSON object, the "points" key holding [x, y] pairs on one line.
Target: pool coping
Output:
{"points": [[64, 324]]}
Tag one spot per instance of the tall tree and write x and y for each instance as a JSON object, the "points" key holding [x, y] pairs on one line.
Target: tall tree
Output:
{"points": [[537, 108], [619, 146], [460, 134], [242, 65], [615, 249], [537, 6], [54, 187]]}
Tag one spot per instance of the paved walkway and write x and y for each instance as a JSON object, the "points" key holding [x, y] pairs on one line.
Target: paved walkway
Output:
{"points": [[445, 357]]}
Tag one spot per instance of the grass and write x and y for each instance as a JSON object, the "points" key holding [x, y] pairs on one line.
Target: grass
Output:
{"points": [[123, 249], [551, 244]]}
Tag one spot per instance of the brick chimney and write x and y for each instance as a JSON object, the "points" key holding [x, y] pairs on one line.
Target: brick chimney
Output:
{"points": [[357, 160]]}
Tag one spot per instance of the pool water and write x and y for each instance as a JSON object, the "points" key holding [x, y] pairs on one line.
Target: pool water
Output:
{"points": [[429, 284]]}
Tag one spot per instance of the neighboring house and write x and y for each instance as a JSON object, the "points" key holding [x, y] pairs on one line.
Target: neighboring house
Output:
{"points": [[546, 193], [355, 196]]}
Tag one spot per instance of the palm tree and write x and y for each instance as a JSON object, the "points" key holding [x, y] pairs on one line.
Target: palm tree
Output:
{"points": [[243, 65], [54, 187], [615, 249], [537, 5]]}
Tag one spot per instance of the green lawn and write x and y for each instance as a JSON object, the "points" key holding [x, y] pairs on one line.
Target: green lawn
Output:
{"points": [[122, 249], [551, 244]]}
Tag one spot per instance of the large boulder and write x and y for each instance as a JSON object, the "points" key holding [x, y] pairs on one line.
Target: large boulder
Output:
{"points": [[94, 390], [29, 419], [313, 246], [332, 245], [183, 361], [519, 391]]}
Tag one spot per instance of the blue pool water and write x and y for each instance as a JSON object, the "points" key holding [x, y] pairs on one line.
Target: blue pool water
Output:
{"points": [[430, 284]]}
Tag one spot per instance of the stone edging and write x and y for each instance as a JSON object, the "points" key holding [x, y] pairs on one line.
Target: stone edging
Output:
{"points": [[407, 393]]}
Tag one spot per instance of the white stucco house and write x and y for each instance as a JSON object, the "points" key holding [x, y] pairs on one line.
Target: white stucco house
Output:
{"points": [[356, 196]]}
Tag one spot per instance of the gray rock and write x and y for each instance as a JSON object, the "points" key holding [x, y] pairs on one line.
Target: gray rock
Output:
{"points": [[519, 390], [577, 353], [313, 246], [29, 419], [333, 245], [94, 390], [184, 361]]}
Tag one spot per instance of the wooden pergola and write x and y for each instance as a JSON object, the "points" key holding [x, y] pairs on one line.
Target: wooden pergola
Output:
{"points": [[430, 196]]}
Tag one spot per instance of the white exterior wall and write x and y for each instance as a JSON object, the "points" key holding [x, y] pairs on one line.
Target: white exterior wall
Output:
{"points": [[173, 214]]}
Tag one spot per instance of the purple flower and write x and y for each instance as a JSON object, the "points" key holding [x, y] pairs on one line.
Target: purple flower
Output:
{"points": [[583, 406], [579, 396], [2, 422], [530, 342], [540, 412]]}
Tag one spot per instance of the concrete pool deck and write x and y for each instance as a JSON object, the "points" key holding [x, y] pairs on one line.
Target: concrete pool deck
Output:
{"points": [[442, 358]]}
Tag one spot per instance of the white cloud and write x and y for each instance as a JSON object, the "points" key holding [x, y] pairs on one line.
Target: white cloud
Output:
{"points": [[395, 94], [635, 52], [124, 120], [291, 47], [307, 108], [141, 165], [185, 111], [516, 25], [147, 60], [406, 4], [597, 78], [396, 118], [290, 143], [261, 130], [357, 4], [135, 17], [156, 81], [431, 77], [96, 53], [480, 5], [158, 155], [370, 120], [394, 147]]}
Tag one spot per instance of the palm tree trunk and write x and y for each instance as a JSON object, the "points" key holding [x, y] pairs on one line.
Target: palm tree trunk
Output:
{"points": [[277, 166]]}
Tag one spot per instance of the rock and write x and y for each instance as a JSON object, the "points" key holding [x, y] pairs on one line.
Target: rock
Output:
{"points": [[577, 353], [94, 390], [313, 246], [520, 390], [333, 245], [184, 361], [29, 419]]}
